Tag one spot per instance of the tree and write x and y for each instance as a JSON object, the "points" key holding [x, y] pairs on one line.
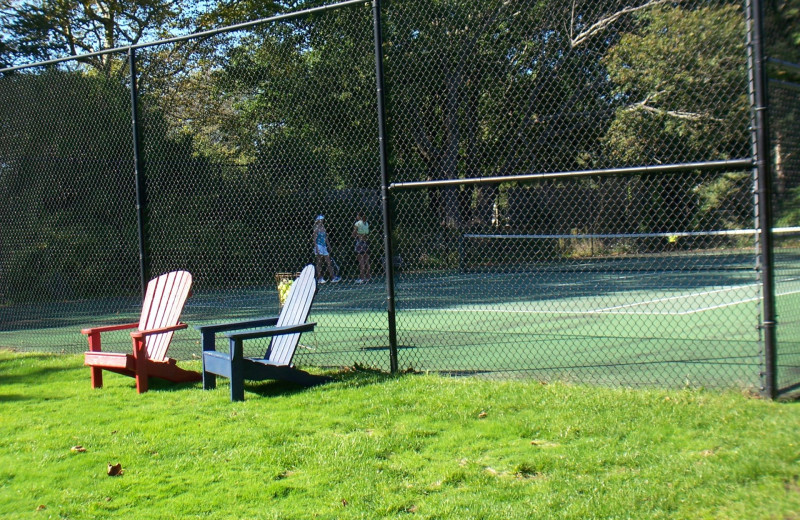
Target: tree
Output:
{"points": [[47, 29], [782, 32], [782, 29], [68, 191], [681, 83], [497, 88]]}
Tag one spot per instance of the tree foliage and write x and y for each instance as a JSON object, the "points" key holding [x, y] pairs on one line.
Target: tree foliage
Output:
{"points": [[68, 192], [285, 112], [47, 29]]}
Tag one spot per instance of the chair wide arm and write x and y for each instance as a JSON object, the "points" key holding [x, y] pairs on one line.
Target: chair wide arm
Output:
{"points": [[108, 328], [144, 333], [237, 325], [207, 332], [272, 331], [93, 334]]}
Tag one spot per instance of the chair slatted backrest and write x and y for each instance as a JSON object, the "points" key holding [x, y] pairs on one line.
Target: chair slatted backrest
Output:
{"points": [[295, 312], [163, 304]]}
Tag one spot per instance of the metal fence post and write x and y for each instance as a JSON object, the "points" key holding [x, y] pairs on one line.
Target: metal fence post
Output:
{"points": [[763, 181], [138, 166], [385, 193]]}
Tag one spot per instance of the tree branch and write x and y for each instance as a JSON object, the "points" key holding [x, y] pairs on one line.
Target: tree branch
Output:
{"points": [[679, 114], [603, 23]]}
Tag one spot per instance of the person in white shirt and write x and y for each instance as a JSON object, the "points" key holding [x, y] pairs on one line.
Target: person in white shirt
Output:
{"points": [[361, 234]]}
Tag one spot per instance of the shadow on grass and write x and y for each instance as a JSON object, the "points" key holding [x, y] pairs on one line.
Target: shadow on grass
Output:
{"points": [[162, 385], [7, 398], [274, 388], [9, 356], [31, 375], [349, 377], [359, 376]]}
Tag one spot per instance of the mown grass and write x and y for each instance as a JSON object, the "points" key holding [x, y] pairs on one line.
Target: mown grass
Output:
{"points": [[374, 446]]}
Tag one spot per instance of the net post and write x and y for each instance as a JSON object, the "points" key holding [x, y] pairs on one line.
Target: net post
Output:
{"points": [[138, 167], [385, 193], [763, 186]]}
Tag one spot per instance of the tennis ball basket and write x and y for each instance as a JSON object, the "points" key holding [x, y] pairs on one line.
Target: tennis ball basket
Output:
{"points": [[284, 282]]}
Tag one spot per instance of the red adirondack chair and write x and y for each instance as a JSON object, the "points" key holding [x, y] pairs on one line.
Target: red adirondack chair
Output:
{"points": [[163, 303]]}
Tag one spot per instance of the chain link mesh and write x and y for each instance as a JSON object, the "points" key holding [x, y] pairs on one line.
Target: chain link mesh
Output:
{"points": [[785, 111], [245, 137], [68, 238]]}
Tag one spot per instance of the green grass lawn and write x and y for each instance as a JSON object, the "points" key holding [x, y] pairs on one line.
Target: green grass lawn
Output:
{"points": [[375, 446]]}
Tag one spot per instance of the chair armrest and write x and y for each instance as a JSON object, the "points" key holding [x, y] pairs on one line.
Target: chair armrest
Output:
{"points": [[236, 325], [162, 330], [109, 328], [272, 331]]}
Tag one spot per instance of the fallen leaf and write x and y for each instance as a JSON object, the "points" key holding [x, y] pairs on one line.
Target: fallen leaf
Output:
{"points": [[78, 449], [344, 502], [115, 470], [543, 443], [482, 415], [42, 507], [412, 509]]}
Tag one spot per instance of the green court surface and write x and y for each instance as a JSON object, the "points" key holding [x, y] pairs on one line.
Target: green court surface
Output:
{"points": [[663, 328], [633, 328]]}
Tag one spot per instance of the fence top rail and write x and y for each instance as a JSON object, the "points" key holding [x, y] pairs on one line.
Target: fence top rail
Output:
{"points": [[185, 37], [739, 164]]}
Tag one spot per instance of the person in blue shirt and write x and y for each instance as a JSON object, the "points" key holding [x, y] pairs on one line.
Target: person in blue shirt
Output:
{"points": [[322, 250]]}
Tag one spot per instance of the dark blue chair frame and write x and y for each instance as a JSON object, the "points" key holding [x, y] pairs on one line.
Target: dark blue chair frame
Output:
{"points": [[276, 363]]}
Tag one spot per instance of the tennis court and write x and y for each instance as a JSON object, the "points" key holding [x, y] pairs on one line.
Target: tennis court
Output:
{"points": [[673, 318], [634, 321], [637, 325]]}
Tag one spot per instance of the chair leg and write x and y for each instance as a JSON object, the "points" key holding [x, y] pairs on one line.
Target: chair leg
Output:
{"points": [[237, 389], [142, 381], [97, 377], [237, 370], [141, 365], [209, 380], [207, 343], [94, 346]]}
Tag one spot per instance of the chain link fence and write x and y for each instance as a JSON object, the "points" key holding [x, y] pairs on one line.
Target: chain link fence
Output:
{"points": [[784, 90], [568, 189]]}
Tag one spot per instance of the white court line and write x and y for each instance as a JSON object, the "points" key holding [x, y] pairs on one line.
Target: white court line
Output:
{"points": [[613, 310], [720, 306], [679, 297], [759, 298]]}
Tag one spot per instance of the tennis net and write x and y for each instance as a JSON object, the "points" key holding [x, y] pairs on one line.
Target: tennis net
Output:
{"points": [[733, 249]]}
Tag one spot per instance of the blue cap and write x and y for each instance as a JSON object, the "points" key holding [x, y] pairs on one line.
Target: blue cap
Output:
{"points": [[320, 217]]}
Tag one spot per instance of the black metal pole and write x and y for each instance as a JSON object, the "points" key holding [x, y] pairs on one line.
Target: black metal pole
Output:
{"points": [[385, 194], [138, 167], [763, 185]]}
